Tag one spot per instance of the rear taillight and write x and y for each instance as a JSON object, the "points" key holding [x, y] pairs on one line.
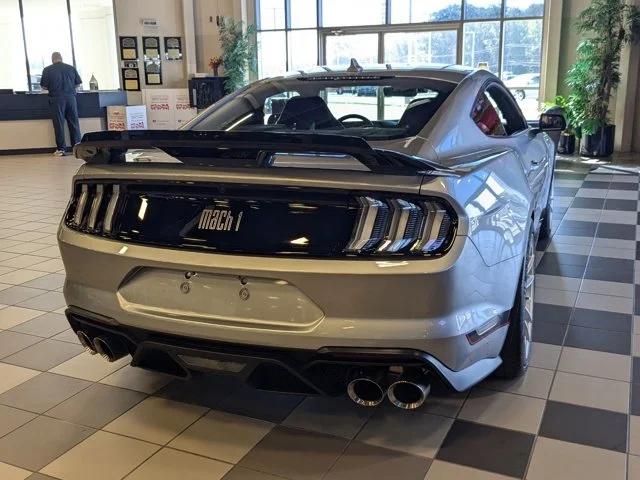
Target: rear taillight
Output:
{"points": [[92, 207], [396, 225]]}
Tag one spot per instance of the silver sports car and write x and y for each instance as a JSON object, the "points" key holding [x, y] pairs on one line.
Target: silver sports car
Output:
{"points": [[312, 239]]}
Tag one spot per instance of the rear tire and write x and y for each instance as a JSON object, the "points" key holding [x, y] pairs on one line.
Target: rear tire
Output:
{"points": [[517, 345]]}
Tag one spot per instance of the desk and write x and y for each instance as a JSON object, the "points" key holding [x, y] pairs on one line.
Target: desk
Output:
{"points": [[25, 122]]}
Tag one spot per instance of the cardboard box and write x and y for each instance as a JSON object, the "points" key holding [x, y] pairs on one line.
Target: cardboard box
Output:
{"points": [[168, 108], [121, 117]]}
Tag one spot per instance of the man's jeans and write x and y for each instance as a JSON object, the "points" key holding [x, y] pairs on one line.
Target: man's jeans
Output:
{"points": [[63, 108]]}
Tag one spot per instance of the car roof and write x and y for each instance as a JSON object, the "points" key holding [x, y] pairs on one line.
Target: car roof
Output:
{"points": [[451, 73]]}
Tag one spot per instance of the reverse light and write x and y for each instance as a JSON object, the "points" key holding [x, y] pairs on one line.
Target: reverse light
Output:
{"points": [[396, 225]]}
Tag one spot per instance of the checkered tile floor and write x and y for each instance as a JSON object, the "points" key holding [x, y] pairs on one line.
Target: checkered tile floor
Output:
{"points": [[575, 415]]}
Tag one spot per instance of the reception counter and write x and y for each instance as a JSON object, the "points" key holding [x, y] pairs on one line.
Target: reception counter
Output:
{"points": [[25, 125]]}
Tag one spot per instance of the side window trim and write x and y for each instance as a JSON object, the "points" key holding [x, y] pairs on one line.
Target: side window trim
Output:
{"points": [[513, 105], [484, 91]]}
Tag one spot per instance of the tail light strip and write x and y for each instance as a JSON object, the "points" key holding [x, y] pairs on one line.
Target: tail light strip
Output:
{"points": [[422, 227], [91, 219]]}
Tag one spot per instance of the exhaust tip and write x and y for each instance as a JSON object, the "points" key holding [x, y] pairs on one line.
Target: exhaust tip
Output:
{"points": [[365, 392], [408, 395], [109, 348], [85, 341], [103, 349]]}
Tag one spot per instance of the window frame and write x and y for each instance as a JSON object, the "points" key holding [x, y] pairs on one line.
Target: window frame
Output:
{"points": [[388, 27], [512, 110], [73, 50]]}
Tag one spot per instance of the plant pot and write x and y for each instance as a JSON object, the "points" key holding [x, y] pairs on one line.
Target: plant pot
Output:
{"points": [[567, 144], [599, 144]]}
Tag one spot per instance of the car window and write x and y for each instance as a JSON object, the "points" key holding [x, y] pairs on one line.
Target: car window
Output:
{"points": [[496, 113], [379, 108], [487, 117]]}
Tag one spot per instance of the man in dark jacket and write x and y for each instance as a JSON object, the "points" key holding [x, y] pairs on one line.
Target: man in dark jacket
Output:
{"points": [[61, 81]]}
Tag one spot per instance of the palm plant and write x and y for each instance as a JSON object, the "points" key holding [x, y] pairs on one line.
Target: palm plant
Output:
{"points": [[239, 52], [609, 25]]}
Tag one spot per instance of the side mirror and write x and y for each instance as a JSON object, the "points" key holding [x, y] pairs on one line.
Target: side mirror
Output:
{"points": [[550, 122]]}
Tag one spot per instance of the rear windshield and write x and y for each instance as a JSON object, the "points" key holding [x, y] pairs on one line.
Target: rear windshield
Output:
{"points": [[374, 108]]}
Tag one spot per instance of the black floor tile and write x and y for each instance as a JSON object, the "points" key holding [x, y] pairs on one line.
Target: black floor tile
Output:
{"points": [[617, 322], [241, 473], [569, 176], [595, 184], [562, 264], [364, 462], [635, 399], [552, 313], [638, 243], [585, 425], [488, 448], [609, 269], [293, 453], [626, 205], [546, 332], [636, 370], [584, 202], [636, 306], [617, 231], [596, 339], [623, 186], [565, 192], [577, 228]]}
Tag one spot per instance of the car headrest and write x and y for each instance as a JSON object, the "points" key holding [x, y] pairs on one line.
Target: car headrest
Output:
{"points": [[306, 113], [417, 114]]}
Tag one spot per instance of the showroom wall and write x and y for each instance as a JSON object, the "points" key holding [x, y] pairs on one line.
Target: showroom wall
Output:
{"points": [[169, 15], [206, 28]]}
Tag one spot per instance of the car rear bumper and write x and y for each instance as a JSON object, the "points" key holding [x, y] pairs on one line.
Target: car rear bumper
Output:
{"points": [[321, 372], [435, 307]]}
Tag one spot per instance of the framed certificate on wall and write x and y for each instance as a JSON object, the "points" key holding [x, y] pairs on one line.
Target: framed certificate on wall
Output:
{"points": [[151, 47], [128, 48], [131, 79], [173, 48], [153, 72]]}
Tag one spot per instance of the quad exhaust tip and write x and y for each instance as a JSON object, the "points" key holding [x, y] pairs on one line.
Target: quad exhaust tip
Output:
{"points": [[366, 392], [86, 342], [408, 395], [111, 349]]}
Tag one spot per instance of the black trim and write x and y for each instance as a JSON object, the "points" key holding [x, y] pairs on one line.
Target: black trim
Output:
{"points": [[198, 147], [322, 372], [27, 151]]}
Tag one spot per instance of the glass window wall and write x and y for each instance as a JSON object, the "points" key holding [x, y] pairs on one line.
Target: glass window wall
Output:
{"points": [[83, 31]]}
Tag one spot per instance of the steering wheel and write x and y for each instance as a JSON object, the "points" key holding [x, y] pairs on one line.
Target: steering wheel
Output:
{"points": [[365, 121]]}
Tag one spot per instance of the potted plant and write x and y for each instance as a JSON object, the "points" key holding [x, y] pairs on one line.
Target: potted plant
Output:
{"points": [[239, 52], [567, 142], [609, 25], [214, 65]]}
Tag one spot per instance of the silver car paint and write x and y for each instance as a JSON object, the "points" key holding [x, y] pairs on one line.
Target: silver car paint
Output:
{"points": [[499, 191]]}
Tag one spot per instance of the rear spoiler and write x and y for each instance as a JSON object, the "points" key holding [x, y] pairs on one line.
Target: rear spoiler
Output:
{"points": [[243, 149]]}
